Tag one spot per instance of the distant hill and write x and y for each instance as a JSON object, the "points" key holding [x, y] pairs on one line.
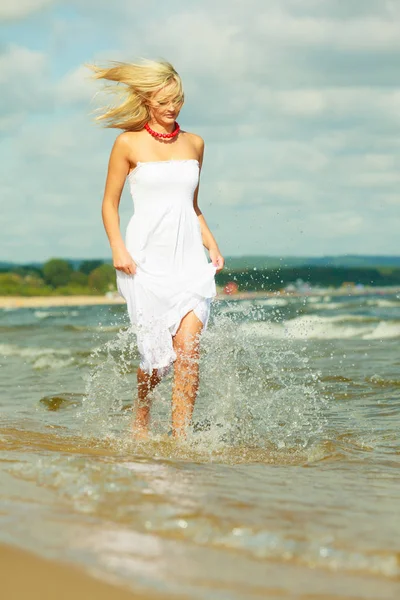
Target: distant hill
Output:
{"points": [[270, 262]]}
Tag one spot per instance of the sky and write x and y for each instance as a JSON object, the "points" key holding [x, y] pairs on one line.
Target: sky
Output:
{"points": [[298, 102]]}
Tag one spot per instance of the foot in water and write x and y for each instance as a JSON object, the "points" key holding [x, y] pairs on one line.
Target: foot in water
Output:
{"points": [[140, 433]]}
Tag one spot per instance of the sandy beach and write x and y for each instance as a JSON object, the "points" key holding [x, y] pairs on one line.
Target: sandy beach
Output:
{"points": [[25, 575], [10, 302], [50, 301]]}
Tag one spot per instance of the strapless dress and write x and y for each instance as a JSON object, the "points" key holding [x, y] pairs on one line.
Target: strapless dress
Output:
{"points": [[173, 273]]}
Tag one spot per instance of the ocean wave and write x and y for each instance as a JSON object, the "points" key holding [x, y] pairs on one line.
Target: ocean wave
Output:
{"points": [[40, 358], [320, 327], [96, 328], [327, 305], [382, 303], [312, 299], [384, 329], [273, 545], [273, 302], [48, 314]]}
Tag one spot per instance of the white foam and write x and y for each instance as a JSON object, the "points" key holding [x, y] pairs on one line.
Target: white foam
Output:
{"points": [[327, 306], [41, 358], [382, 303], [236, 307], [273, 302], [384, 330], [46, 314], [52, 362], [319, 327]]}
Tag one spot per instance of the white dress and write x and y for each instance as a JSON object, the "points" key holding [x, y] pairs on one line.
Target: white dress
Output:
{"points": [[173, 274]]}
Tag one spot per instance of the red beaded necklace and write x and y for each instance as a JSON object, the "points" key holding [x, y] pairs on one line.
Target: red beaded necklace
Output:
{"points": [[162, 135]]}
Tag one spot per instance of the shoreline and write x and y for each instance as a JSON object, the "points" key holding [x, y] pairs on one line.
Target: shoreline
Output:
{"points": [[12, 302], [26, 575]]}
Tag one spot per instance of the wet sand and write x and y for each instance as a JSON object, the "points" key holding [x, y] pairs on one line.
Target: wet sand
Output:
{"points": [[25, 575]]}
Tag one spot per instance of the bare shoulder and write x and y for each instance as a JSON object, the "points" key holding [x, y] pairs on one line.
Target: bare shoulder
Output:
{"points": [[196, 140], [125, 146], [197, 143], [126, 139]]}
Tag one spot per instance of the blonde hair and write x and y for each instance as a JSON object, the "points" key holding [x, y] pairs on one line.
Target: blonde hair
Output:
{"points": [[135, 85]]}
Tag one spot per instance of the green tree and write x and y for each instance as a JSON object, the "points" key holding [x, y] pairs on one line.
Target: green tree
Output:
{"points": [[87, 266], [57, 272], [102, 279], [10, 283], [79, 278], [28, 270]]}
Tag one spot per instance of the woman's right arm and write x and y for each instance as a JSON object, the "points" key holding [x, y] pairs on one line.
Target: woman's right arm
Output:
{"points": [[118, 169]]}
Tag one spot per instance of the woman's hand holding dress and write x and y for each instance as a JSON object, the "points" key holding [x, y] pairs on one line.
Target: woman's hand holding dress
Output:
{"points": [[123, 261], [217, 259]]}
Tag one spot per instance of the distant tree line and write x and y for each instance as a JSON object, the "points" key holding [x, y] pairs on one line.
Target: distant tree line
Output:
{"points": [[277, 278], [57, 276]]}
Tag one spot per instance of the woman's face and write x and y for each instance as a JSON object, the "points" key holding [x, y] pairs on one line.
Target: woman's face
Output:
{"points": [[165, 105]]}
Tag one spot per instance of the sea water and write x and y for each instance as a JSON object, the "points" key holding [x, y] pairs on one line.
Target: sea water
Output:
{"points": [[287, 486]]}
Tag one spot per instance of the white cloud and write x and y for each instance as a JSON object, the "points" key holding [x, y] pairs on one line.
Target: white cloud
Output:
{"points": [[24, 81], [338, 224], [20, 9], [298, 101], [75, 87], [363, 33]]}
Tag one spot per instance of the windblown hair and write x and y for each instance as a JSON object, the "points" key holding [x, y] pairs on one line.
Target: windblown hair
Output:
{"points": [[135, 84]]}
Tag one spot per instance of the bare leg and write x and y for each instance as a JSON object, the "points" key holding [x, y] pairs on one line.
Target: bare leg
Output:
{"points": [[146, 383], [186, 372]]}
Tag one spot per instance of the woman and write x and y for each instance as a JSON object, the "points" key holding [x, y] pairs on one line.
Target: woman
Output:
{"points": [[161, 267]]}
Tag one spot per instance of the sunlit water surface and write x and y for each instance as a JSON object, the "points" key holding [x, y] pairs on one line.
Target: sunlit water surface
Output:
{"points": [[288, 485]]}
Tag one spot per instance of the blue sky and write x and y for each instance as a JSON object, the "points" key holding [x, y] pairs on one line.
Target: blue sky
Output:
{"points": [[298, 102]]}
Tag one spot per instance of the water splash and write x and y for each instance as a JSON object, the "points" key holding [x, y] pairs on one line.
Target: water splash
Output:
{"points": [[109, 385], [254, 393], [260, 392]]}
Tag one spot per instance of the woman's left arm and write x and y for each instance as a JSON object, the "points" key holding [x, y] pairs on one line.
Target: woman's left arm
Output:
{"points": [[208, 239]]}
